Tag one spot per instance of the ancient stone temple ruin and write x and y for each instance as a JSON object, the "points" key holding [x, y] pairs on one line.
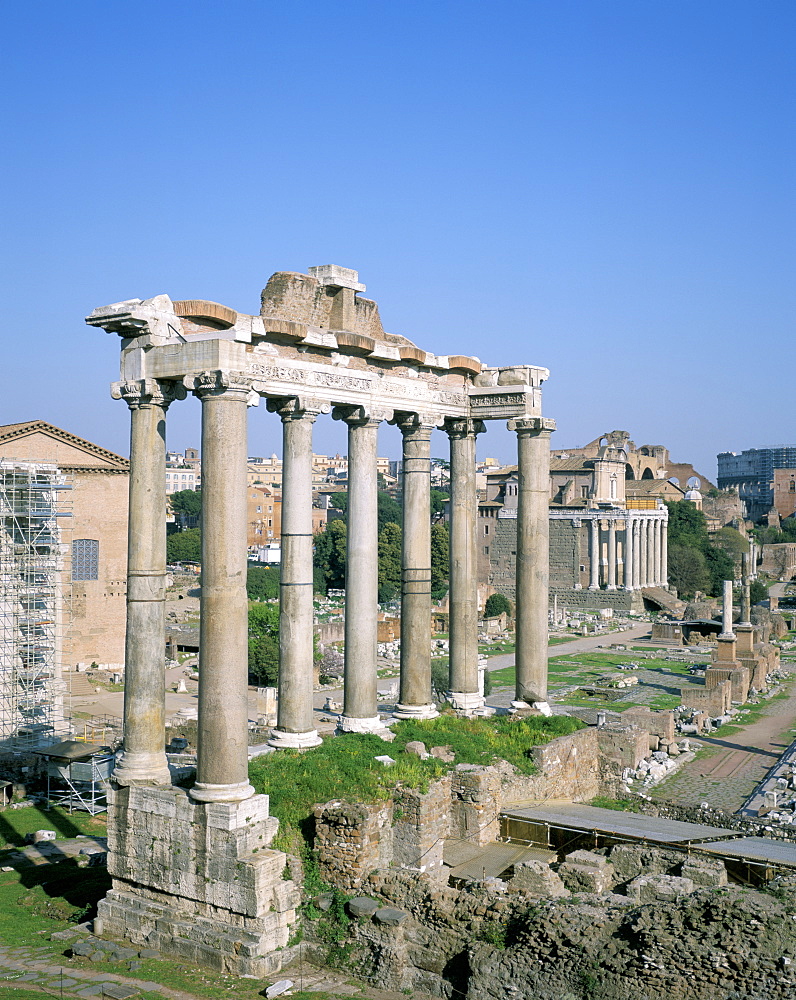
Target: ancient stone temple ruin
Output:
{"points": [[193, 872]]}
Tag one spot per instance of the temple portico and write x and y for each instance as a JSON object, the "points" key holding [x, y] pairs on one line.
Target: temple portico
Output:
{"points": [[316, 348]]}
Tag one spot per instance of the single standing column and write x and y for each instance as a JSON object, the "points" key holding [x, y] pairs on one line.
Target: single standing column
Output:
{"points": [[629, 582], [143, 761], [360, 709], [533, 558], [643, 580], [746, 602], [464, 693], [415, 699], [594, 554], [726, 611], [611, 554], [294, 726], [222, 767]]}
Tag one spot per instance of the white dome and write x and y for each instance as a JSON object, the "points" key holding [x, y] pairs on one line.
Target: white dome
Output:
{"points": [[693, 495]]}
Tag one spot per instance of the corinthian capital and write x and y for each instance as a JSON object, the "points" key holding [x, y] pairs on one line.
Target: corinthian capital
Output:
{"points": [[462, 427], [148, 392], [220, 383], [361, 416], [532, 425], [297, 407]]}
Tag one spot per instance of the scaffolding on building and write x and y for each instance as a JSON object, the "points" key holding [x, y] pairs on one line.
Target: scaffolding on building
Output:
{"points": [[34, 603]]}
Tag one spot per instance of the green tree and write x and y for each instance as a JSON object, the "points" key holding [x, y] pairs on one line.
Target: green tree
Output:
{"points": [[732, 542], [438, 498], [758, 592], [262, 583], [440, 559], [186, 502], [497, 604], [687, 525], [688, 570], [339, 501], [720, 567], [184, 546], [264, 643], [329, 557], [389, 511], [389, 562]]}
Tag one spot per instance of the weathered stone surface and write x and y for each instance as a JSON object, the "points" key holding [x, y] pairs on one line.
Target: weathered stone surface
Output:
{"points": [[659, 888], [390, 916], [704, 873], [416, 747], [362, 906], [632, 860], [537, 878], [587, 878]]}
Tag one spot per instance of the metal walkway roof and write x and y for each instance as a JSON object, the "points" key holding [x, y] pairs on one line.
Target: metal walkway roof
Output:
{"points": [[755, 849], [612, 823]]}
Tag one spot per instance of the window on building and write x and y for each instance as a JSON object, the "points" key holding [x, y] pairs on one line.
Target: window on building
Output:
{"points": [[259, 510], [584, 492], [486, 529], [85, 559], [486, 550]]}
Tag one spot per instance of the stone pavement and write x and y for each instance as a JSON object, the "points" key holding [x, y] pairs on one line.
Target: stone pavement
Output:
{"points": [[35, 968], [727, 771]]}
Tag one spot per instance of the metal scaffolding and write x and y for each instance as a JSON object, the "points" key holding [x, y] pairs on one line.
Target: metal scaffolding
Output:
{"points": [[33, 603]]}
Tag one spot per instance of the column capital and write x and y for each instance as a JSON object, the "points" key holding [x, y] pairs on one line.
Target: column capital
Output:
{"points": [[297, 407], [421, 424], [532, 425], [462, 427], [221, 383], [138, 393], [361, 416]]}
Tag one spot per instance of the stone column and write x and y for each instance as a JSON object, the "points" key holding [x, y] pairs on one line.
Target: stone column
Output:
{"points": [[726, 611], [651, 552], [656, 553], [415, 697], [629, 582], [594, 554], [294, 725], [464, 693], [360, 709], [744, 630], [222, 767], [611, 554], [665, 553], [143, 761], [643, 580], [637, 553], [533, 558]]}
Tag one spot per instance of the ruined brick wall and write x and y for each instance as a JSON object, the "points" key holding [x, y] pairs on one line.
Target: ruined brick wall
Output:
{"points": [[352, 840], [566, 556], [779, 561], [422, 821], [476, 795]]}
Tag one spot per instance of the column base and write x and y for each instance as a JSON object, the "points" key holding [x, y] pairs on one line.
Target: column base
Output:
{"points": [[142, 768], [541, 707], [415, 711], [352, 724], [203, 791], [283, 740], [611, 586], [466, 702], [593, 588]]}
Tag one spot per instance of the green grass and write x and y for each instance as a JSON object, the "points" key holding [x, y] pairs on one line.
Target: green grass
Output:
{"points": [[16, 823], [47, 897], [621, 804], [344, 767]]}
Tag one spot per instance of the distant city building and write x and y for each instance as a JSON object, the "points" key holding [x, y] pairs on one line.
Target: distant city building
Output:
{"points": [[785, 492], [752, 473]]}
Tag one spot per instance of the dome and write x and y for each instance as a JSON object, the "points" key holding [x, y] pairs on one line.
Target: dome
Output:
{"points": [[693, 495]]}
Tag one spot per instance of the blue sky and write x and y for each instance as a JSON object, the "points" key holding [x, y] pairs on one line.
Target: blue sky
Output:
{"points": [[602, 188]]}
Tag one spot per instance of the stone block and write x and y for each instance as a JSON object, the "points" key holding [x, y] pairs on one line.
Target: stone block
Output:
{"points": [[538, 878], [389, 916], [632, 860], [659, 888], [704, 872], [587, 878], [362, 906], [416, 747], [589, 858]]}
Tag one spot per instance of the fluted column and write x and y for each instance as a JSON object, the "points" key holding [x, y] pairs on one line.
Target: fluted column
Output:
{"points": [[665, 553], [611, 554], [636, 553], [360, 709], [643, 554], [464, 693], [415, 697], [629, 582], [143, 761], [222, 766], [533, 557], [594, 554], [651, 552], [295, 725]]}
